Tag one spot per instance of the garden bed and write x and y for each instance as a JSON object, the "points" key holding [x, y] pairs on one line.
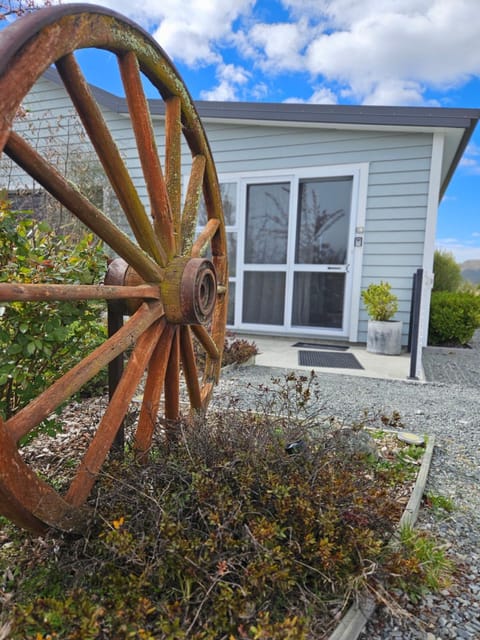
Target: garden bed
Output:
{"points": [[225, 534]]}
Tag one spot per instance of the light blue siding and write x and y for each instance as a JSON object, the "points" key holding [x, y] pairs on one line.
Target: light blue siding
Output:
{"points": [[398, 181], [397, 194]]}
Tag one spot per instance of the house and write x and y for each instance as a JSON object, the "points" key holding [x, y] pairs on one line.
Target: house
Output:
{"points": [[320, 201]]}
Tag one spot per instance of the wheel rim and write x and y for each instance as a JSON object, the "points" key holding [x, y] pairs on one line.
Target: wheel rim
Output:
{"points": [[171, 291]]}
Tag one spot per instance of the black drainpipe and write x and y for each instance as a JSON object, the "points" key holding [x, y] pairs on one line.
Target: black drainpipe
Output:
{"points": [[415, 321]]}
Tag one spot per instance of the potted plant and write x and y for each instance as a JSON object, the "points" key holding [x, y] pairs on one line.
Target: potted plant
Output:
{"points": [[384, 335]]}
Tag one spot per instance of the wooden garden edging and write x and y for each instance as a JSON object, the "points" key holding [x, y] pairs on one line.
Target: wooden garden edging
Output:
{"points": [[354, 621]]}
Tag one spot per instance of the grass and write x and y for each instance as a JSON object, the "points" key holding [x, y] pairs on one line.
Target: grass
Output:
{"points": [[439, 503], [225, 535]]}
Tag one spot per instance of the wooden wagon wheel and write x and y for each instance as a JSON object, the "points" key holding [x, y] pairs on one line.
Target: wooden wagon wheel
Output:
{"points": [[173, 293]]}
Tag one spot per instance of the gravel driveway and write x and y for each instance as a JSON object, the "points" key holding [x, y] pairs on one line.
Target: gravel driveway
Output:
{"points": [[448, 406]]}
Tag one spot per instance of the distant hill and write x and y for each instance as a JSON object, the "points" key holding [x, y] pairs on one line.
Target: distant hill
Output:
{"points": [[471, 270]]}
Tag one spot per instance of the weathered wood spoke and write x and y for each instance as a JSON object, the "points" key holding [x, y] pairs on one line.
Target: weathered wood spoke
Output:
{"points": [[190, 368], [192, 202], [147, 148], [110, 423], [67, 194], [153, 390], [206, 341], [109, 155], [205, 237], [172, 381], [173, 162], [159, 278], [20, 292], [43, 405]]}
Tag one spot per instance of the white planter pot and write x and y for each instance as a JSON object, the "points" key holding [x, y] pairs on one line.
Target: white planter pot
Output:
{"points": [[384, 337]]}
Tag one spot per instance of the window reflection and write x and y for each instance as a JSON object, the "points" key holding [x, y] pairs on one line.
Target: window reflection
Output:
{"points": [[323, 221], [263, 297], [228, 192], [318, 300], [267, 223]]}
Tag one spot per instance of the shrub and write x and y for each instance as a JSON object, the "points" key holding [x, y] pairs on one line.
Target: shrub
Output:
{"points": [[237, 350], [380, 302], [454, 317], [228, 533], [448, 274], [41, 341]]}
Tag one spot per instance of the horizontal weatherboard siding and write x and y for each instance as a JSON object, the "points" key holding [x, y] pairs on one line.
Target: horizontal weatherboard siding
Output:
{"points": [[397, 189]]}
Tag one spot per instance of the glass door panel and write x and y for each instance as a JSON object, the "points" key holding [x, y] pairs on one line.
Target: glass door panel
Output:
{"points": [[267, 223], [321, 243], [323, 221], [263, 297], [318, 299]]}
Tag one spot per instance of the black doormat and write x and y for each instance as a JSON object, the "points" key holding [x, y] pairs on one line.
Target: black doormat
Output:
{"points": [[328, 359], [315, 345]]}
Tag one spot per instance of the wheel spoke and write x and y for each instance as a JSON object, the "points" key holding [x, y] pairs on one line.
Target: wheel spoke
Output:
{"points": [[218, 322], [190, 368], [192, 202], [173, 160], [147, 149], [153, 389], [172, 382], [207, 391], [205, 237], [19, 292], [206, 341], [66, 193], [102, 441], [109, 156], [44, 404]]}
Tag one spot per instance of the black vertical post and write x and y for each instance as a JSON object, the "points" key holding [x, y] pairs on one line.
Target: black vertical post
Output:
{"points": [[115, 368], [415, 321]]}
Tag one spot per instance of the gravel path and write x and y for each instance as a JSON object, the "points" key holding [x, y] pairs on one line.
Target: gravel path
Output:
{"points": [[449, 407]]}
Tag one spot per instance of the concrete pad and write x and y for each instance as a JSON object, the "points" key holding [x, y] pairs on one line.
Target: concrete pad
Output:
{"points": [[279, 352]]}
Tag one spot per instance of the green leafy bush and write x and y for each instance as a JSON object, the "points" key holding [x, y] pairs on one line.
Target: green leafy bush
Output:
{"points": [[40, 341], [454, 317], [448, 274], [380, 302]]}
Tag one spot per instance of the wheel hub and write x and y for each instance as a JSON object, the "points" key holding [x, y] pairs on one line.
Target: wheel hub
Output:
{"points": [[188, 292]]}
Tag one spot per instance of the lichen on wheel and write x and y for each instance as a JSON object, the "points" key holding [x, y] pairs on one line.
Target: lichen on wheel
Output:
{"points": [[171, 293]]}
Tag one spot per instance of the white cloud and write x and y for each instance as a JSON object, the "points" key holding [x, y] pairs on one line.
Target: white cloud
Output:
{"points": [[324, 95], [280, 45], [189, 31], [377, 51], [230, 78], [471, 159], [373, 51], [410, 43], [461, 249]]}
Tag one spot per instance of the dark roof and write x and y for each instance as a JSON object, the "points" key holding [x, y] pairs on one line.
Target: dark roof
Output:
{"points": [[307, 113], [340, 114], [318, 114]]}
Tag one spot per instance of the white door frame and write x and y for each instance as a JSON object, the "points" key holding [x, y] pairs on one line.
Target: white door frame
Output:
{"points": [[359, 173]]}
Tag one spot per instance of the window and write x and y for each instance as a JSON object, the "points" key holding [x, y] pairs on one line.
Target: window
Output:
{"points": [[228, 192]]}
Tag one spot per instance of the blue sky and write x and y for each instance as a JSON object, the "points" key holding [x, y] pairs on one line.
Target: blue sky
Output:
{"points": [[390, 52]]}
